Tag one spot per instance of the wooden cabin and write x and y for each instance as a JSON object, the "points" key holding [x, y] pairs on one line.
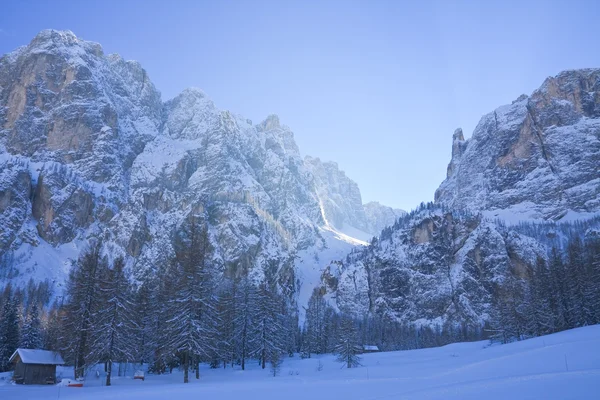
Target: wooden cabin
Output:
{"points": [[35, 367], [370, 348]]}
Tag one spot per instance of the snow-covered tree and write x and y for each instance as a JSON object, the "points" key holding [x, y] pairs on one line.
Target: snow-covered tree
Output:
{"points": [[315, 339], [9, 328], [347, 347], [245, 315], [31, 332], [82, 301], [113, 329], [192, 324], [270, 320]]}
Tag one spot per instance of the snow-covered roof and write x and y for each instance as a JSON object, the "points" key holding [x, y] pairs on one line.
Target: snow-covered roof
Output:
{"points": [[35, 356], [370, 347]]}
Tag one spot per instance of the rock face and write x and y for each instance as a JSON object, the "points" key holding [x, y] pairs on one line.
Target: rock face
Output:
{"points": [[88, 150], [341, 201], [432, 267], [380, 216], [536, 158]]}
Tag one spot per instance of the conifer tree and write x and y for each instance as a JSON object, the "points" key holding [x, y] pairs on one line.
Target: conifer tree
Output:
{"points": [[9, 328], [83, 299], [113, 328], [31, 333], [144, 315], [270, 323], [315, 340], [347, 347], [192, 324], [245, 316]]}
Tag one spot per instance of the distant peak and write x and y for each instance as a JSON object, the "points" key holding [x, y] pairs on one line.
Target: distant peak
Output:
{"points": [[55, 34], [50, 39], [54, 37], [194, 92], [271, 122]]}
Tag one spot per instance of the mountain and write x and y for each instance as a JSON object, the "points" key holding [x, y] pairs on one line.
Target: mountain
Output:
{"points": [[536, 158], [88, 151], [525, 181]]}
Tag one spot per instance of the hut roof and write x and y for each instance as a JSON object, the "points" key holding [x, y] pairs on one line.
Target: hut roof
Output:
{"points": [[370, 347], [36, 356]]}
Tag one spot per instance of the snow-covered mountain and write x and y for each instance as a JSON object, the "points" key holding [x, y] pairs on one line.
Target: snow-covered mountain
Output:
{"points": [[89, 150], [534, 160]]}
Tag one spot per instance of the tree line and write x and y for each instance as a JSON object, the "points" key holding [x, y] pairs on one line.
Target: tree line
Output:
{"points": [[187, 313], [560, 293]]}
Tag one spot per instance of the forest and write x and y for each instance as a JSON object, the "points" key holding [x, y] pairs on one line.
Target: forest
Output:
{"points": [[187, 314]]}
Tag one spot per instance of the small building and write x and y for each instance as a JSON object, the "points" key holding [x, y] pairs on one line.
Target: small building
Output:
{"points": [[35, 367], [370, 348]]}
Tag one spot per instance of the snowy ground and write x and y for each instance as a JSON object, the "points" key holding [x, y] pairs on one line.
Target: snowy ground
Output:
{"points": [[565, 365]]}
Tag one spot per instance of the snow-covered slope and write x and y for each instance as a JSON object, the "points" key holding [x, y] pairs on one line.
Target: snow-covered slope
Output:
{"points": [[433, 267], [89, 150], [564, 365], [536, 158]]}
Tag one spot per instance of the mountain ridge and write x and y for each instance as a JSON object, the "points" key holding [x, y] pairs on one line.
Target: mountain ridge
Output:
{"points": [[90, 151]]}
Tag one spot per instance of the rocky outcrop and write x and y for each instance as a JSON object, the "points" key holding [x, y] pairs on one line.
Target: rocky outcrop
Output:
{"points": [[432, 267], [379, 216], [339, 196], [536, 158]]}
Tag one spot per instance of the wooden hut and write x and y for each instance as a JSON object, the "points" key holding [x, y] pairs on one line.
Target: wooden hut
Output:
{"points": [[370, 348], [35, 367]]}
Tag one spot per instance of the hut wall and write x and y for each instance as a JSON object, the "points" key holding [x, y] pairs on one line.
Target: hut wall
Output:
{"points": [[39, 374]]}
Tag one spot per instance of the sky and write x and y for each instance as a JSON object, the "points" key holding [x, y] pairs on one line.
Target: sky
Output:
{"points": [[376, 86]]}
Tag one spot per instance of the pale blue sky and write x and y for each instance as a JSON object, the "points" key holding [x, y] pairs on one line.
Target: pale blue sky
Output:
{"points": [[377, 86]]}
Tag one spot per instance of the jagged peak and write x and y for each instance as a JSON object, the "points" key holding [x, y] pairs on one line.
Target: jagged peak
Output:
{"points": [[270, 123], [52, 39], [191, 97], [193, 92]]}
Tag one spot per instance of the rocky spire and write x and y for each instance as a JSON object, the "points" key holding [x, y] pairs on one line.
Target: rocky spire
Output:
{"points": [[458, 147]]}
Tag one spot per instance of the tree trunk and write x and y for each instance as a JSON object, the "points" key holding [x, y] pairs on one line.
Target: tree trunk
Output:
{"points": [[186, 367], [197, 368], [108, 372]]}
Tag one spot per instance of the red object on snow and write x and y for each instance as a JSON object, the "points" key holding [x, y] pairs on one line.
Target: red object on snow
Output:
{"points": [[75, 385]]}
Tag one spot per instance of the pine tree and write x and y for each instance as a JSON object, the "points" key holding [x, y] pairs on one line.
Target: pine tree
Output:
{"points": [[314, 340], [144, 315], [9, 328], [52, 327], [560, 288], [541, 319], [83, 291], [245, 315], [270, 324], [347, 348], [31, 333], [592, 292], [227, 305], [114, 329], [577, 282], [192, 324]]}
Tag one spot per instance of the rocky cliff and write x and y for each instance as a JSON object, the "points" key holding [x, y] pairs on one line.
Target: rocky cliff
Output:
{"points": [[88, 150], [536, 158], [532, 162]]}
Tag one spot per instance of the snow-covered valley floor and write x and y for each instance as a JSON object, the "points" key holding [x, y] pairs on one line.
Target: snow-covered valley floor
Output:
{"points": [[565, 365]]}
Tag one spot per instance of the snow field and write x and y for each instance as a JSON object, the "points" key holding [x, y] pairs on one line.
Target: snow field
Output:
{"points": [[564, 365]]}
